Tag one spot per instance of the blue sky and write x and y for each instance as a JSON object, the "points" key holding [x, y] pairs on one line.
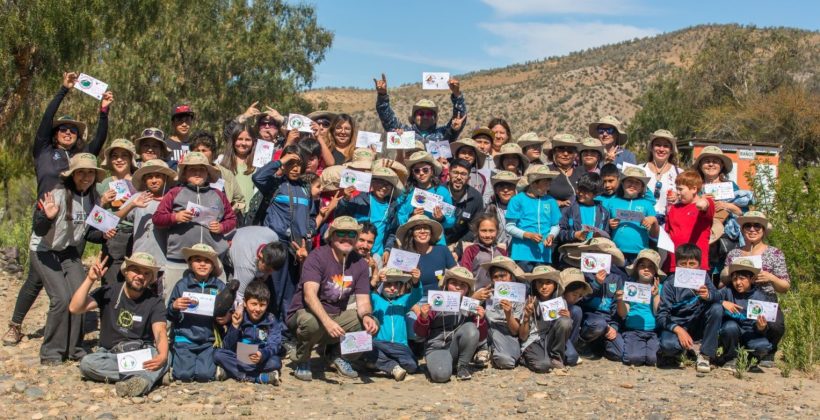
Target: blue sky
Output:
{"points": [[404, 38]]}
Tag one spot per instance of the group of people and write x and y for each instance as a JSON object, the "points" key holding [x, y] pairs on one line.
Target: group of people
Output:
{"points": [[306, 262]]}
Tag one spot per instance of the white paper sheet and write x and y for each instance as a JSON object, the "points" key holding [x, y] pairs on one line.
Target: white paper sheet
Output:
{"points": [[550, 308], [91, 86], [263, 153], [469, 305], [434, 80], [720, 190], [356, 342], [592, 262], [201, 214], [204, 304], [689, 278], [300, 123], [132, 361], [357, 179], [121, 188], [755, 308], [511, 291], [403, 260], [407, 140], [243, 351], [637, 292], [441, 301], [102, 219], [425, 200], [439, 149]]}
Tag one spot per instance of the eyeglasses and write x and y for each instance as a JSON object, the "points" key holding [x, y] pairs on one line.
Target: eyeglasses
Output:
{"points": [[324, 123], [422, 170], [425, 114], [607, 130], [459, 174], [267, 124], [425, 228], [183, 118], [753, 226], [658, 186], [71, 128], [346, 233], [149, 132]]}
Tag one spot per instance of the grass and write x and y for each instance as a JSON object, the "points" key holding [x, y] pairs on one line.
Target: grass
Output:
{"points": [[743, 362], [801, 344], [17, 234]]}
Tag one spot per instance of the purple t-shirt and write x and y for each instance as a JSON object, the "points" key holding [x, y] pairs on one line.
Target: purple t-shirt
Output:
{"points": [[335, 285]]}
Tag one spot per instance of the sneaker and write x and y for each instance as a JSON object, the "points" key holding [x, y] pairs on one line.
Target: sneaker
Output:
{"points": [[398, 373], [730, 365], [463, 373], [132, 387], [343, 367], [13, 336], [767, 362], [703, 365], [557, 363], [288, 347], [275, 378], [269, 378], [481, 358], [220, 374], [303, 372]]}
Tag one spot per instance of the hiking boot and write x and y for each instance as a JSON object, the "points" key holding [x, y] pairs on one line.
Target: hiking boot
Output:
{"points": [[302, 372], [398, 373], [288, 348], [703, 365], [220, 374], [463, 373], [481, 358], [343, 367], [730, 365], [557, 363], [132, 387], [14, 335]]}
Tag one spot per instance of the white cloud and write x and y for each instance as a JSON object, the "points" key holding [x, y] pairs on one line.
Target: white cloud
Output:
{"points": [[527, 41], [542, 7], [380, 49]]}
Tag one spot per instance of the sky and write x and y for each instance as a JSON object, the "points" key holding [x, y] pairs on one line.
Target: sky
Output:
{"points": [[405, 38]]}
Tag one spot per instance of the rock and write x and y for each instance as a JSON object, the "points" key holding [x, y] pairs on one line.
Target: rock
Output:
{"points": [[245, 411], [539, 395], [521, 397], [218, 410], [106, 416], [156, 398], [35, 393], [627, 385], [137, 400], [37, 416], [6, 387], [542, 380], [20, 386], [655, 416], [521, 410], [92, 408]]}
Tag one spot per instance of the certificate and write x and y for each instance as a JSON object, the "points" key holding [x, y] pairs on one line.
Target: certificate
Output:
{"points": [[132, 361], [263, 153], [203, 304], [356, 342], [425, 200], [592, 262], [244, 351], [435, 80], [300, 123], [201, 215], [121, 188], [91, 86], [629, 216], [469, 305], [407, 140], [101, 219], [637, 292], [366, 139], [439, 149], [356, 179], [720, 190], [755, 308], [441, 301], [550, 308], [689, 278], [511, 291], [403, 260]]}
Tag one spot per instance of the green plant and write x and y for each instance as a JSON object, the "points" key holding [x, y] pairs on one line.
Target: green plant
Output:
{"points": [[17, 234], [801, 344], [743, 362]]}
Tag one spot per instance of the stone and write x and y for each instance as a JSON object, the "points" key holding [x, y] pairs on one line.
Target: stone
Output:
{"points": [[37, 416], [521, 410], [20, 386], [218, 410], [137, 400], [627, 385], [521, 397], [35, 393], [156, 398], [106, 416], [655, 416]]}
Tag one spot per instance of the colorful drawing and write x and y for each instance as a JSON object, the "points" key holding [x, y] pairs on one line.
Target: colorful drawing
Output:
{"points": [[98, 217]]}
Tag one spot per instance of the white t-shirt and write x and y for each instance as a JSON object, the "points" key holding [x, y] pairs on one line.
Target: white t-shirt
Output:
{"points": [[667, 181]]}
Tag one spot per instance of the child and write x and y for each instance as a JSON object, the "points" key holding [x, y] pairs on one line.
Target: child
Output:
{"points": [[585, 213], [610, 181], [151, 145], [192, 335], [152, 180], [425, 176], [503, 317], [599, 328], [467, 149], [632, 236], [377, 207], [686, 315], [120, 160], [736, 329], [504, 188], [451, 338], [689, 220], [399, 292], [640, 340], [205, 143], [511, 158], [485, 228], [195, 172], [574, 288], [532, 221], [252, 324], [544, 342]]}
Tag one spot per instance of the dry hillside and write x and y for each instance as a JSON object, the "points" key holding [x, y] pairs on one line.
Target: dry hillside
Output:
{"points": [[557, 94]]}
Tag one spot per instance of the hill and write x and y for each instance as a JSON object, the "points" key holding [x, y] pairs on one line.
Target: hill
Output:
{"points": [[556, 94]]}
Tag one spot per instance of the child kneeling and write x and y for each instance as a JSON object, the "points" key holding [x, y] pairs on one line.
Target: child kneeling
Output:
{"points": [[640, 340], [253, 325], [544, 335]]}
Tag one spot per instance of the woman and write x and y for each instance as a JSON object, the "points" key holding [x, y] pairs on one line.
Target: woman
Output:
{"points": [[662, 168], [773, 278], [592, 153], [531, 145], [504, 185], [55, 142], [501, 134], [120, 159], [205, 143], [424, 175], [563, 156], [321, 125], [467, 149], [612, 135], [342, 139], [238, 158]]}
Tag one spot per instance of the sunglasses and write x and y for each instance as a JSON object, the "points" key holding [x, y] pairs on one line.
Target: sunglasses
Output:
{"points": [[346, 234], [65, 128], [565, 149], [183, 118], [753, 226], [425, 113], [267, 124], [606, 130], [425, 228], [148, 132], [658, 186], [422, 170]]}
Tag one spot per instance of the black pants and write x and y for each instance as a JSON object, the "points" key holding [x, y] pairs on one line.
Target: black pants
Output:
{"points": [[27, 295]]}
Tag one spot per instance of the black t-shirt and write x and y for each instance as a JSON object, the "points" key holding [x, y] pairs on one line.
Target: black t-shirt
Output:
{"points": [[563, 187], [127, 319]]}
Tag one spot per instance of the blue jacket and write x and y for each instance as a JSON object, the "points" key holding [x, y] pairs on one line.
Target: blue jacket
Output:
{"points": [[406, 208], [391, 315], [282, 191], [742, 300], [267, 333], [680, 306], [571, 221], [440, 133], [386, 224], [602, 298], [189, 328]]}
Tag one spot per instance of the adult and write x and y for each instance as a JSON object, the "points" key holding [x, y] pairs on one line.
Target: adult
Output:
{"points": [[151, 145], [591, 152], [563, 155], [468, 150], [205, 143], [424, 116], [237, 158], [55, 142], [120, 159], [255, 253], [466, 199], [425, 171], [321, 126], [318, 313], [501, 134], [132, 317], [609, 130], [267, 125], [504, 185], [531, 145], [773, 278], [342, 139], [661, 165], [182, 122]]}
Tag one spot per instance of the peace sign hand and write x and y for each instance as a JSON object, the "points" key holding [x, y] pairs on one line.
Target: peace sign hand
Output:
{"points": [[97, 269], [301, 251], [381, 85], [50, 208], [458, 121]]}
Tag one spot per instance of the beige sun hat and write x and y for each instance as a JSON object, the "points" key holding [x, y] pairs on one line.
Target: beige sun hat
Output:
{"points": [[359, 165], [609, 120], [387, 174], [664, 134], [755, 216], [504, 177], [604, 246], [565, 140], [574, 275], [321, 114], [155, 134], [69, 120], [204, 250], [331, 177], [422, 104], [544, 272], [506, 263], [362, 153], [458, 273], [510, 149], [153, 166], [435, 227], [589, 143], [636, 173], [119, 144], [197, 158], [83, 161], [570, 254], [343, 223], [649, 255], [522, 183], [738, 264], [480, 157], [400, 170], [529, 139], [482, 131], [715, 151], [141, 259], [396, 275], [424, 156], [541, 172], [418, 146]]}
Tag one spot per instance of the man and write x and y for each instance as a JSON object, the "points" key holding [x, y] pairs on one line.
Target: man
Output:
{"points": [[424, 115], [132, 317], [466, 199], [182, 120], [364, 246], [255, 253], [318, 313]]}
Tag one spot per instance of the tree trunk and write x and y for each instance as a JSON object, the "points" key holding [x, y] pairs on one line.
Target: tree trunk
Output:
{"points": [[11, 100]]}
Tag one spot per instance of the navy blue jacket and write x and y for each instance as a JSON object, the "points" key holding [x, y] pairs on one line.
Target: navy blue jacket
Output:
{"points": [[602, 298], [192, 328], [680, 306], [267, 333], [281, 192], [742, 300], [571, 221]]}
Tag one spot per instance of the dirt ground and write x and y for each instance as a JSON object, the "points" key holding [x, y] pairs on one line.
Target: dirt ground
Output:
{"points": [[594, 389]]}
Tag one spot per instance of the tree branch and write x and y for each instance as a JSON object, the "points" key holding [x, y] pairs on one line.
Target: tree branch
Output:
{"points": [[12, 99]]}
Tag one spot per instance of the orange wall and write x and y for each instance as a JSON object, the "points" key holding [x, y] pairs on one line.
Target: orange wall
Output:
{"points": [[743, 166]]}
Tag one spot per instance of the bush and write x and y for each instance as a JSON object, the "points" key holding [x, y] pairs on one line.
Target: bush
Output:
{"points": [[17, 234]]}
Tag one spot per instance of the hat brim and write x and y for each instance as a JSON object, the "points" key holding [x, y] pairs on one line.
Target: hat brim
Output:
{"points": [[480, 157], [321, 114], [672, 141], [449, 275], [495, 182], [412, 117], [101, 174], [552, 276], [742, 220], [398, 278], [106, 163], [81, 126], [136, 179], [630, 269], [587, 288], [525, 161], [362, 165], [392, 180], [643, 179], [212, 256], [129, 262], [166, 151], [482, 132], [617, 256], [213, 172], [436, 166], [332, 229], [726, 273], [727, 163], [435, 227], [510, 266], [593, 131]]}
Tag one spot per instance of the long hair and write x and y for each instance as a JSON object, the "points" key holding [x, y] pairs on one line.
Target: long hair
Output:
{"points": [[331, 138], [229, 153], [502, 122], [70, 189], [673, 155]]}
